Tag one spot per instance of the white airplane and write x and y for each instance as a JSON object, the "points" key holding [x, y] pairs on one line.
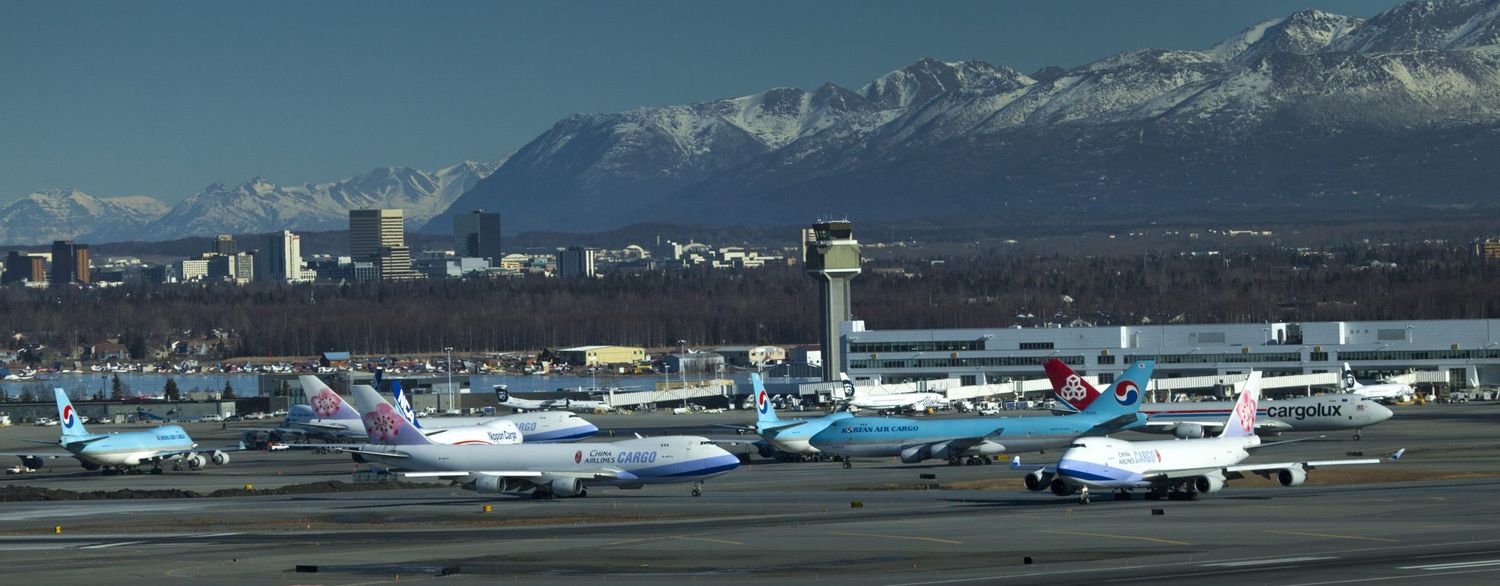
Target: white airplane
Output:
{"points": [[327, 415], [889, 402], [492, 432], [120, 452], [508, 400], [1177, 469], [1384, 392], [544, 470]]}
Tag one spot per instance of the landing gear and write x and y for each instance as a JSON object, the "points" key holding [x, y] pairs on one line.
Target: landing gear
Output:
{"points": [[583, 493], [157, 469], [954, 461], [1122, 495], [1083, 495], [1155, 494], [1356, 435], [698, 488], [848, 464]]}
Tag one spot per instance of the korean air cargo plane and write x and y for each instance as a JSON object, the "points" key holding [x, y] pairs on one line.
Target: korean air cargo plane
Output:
{"points": [[116, 453]]}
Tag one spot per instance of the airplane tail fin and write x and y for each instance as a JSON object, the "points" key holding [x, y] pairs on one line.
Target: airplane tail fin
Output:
{"points": [[1068, 386], [847, 384], [325, 403], [1128, 391], [383, 423], [1242, 418], [67, 419], [1349, 382], [502, 394], [764, 412], [403, 405]]}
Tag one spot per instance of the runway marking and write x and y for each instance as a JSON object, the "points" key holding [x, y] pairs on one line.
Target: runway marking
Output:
{"points": [[1134, 537], [1329, 535], [1401, 577], [105, 545], [1264, 562], [1453, 566], [708, 539], [910, 537]]}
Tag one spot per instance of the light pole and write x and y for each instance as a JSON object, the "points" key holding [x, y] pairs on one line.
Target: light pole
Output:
{"points": [[451, 397]]}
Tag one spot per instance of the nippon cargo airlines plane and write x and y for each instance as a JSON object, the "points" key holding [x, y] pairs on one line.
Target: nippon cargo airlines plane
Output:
{"points": [[544, 470], [327, 415], [1177, 469], [116, 453]]}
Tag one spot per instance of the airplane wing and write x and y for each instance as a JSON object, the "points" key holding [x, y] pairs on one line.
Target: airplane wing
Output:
{"points": [[960, 444], [1211, 428], [1119, 423], [599, 475], [1269, 469]]}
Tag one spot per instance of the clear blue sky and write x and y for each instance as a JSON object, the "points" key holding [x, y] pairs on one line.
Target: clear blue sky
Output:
{"points": [[162, 98]]}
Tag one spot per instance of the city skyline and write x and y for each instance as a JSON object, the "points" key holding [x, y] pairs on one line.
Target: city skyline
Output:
{"points": [[289, 98]]}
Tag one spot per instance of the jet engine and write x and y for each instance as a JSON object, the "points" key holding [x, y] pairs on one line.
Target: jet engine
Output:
{"points": [[1061, 488], [1188, 431], [32, 462], [196, 461], [219, 458], [1209, 483], [90, 466], [565, 487], [766, 451], [915, 454], [1038, 480], [1292, 476], [488, 485]]}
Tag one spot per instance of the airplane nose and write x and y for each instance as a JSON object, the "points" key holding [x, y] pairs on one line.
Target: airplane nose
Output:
{"points": [[1382, 412]]}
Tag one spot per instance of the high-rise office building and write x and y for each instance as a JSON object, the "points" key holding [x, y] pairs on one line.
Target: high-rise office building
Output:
{"points": [[282, 258], [20, 266], [70, 262], [379, 236], [477, 235], [224, 245], [576, 261]]}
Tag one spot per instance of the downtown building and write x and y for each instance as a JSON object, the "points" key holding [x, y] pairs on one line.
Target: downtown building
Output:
{"points": [[379, 237], [477, 235]]}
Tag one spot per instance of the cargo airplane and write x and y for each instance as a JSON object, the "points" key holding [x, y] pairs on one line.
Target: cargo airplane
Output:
{"points": [[784, 437], [1338, 412], [544, 470], [330, 417], [1176, 469], [974, 440], [115, 453], [513, 402]]}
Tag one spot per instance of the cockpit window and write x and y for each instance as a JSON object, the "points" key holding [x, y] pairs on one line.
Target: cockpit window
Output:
{"points": [[1079, 445]]}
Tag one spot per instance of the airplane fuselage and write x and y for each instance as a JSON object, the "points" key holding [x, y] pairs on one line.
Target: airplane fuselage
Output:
{"points": [[129, 448], [631, 462], [1320, 413], [895, 436], [1113, 463]]}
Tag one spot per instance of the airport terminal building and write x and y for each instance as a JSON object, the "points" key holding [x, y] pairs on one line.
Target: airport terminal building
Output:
{"points": [[1462, 354]]}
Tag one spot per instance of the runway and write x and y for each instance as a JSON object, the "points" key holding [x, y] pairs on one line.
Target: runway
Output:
{"points": [[1426, 519]]}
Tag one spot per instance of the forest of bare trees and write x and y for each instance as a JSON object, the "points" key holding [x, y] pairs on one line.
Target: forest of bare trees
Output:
{"points": [[768, 305]]}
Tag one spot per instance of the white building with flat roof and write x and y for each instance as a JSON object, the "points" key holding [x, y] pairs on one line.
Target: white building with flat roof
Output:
{"points": [[1465, 351]]}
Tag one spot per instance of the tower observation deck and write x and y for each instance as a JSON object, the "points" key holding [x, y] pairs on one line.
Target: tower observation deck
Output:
{"points": [[833, 259]]}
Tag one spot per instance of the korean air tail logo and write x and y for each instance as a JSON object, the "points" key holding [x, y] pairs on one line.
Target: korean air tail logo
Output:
{"points": [[1073, 390], [762, 404], [68, 418], [1126, 393]]}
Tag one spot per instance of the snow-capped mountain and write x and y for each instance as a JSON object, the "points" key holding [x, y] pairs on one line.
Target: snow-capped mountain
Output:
{"points": [[261, 206], [66, 214], [1311, 111]]}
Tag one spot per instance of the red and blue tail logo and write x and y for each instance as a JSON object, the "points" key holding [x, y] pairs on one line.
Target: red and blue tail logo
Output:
{"points": [[68, 417], [762, 404], [1127, 393]]}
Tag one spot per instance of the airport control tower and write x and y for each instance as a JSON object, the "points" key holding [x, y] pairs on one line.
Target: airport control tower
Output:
{"points": [[833, 258]]}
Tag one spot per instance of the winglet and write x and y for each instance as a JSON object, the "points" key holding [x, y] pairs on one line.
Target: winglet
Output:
{"points": [[1397, 454], [1015, 462]]}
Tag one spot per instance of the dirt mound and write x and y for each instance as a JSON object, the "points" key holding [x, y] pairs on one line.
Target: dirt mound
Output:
{"points": [[14, 493]]}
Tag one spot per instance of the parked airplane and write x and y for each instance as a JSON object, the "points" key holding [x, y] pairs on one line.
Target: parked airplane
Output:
{"points": [[973, 440], [1342, 411], [1177, 469], [492, 432], [120, 452], [1384, 392], [544, 470], [893, 402], [329, 417], [785, 438], [517, 403]]}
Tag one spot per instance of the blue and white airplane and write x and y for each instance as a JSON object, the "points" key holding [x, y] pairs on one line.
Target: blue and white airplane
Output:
{"points": [[786, 439], [1176, 469], [974, 440], [115, 453], [544, 470]]}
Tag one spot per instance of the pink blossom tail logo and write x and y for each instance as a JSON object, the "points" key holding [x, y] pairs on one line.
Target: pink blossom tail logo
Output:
{"points": [[325, 403], [578, 457], [381, 425], [1246, 412]]}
